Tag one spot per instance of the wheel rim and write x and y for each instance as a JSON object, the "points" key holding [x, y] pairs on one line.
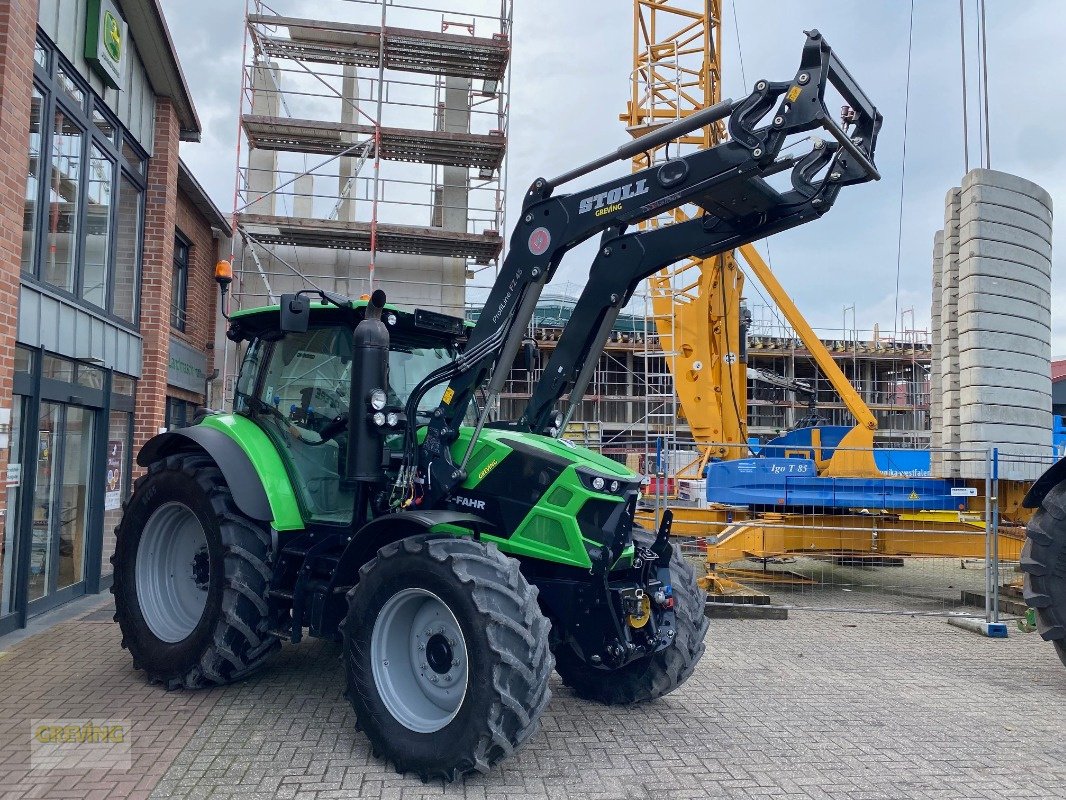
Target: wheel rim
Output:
{"points": [[172, 572], [419, 660]]}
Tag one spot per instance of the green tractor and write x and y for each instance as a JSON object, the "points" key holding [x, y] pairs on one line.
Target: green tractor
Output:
{"points": [[360, 492]]}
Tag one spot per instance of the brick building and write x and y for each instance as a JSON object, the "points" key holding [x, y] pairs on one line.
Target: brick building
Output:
{"points": [[106, 248]]}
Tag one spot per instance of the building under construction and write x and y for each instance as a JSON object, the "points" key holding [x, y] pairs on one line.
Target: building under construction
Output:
{"points": [[630, 403], [376, 137]]}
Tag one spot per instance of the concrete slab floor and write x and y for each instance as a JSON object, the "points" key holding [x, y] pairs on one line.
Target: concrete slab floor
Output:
{"points": [[819, 706]]}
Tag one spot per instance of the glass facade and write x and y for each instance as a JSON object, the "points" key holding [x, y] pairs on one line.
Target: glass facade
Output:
{"points": [[70, 471], [83, 217]]}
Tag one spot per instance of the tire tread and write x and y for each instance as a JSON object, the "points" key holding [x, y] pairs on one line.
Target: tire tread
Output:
{"points": [[517, 635], [241, 641]]}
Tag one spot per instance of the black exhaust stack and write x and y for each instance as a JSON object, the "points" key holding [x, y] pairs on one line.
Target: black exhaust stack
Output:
{"points": [[366, 443]]}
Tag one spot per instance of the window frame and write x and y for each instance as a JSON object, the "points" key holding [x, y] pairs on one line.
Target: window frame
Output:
{"points": [[47, 83], [179, 312]]}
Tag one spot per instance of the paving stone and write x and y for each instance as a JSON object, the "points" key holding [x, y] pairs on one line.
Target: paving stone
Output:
{"points": [[895, 707]]}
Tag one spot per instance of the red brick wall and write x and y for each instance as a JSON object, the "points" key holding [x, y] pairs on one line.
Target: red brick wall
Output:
{"points": [[202, 297], [157, 263], [16, 81]]}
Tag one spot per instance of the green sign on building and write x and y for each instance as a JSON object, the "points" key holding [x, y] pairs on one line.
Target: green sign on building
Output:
{"points": [[105, 41]]}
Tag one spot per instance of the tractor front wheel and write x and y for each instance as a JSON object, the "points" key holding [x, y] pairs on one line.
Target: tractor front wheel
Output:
{"points": [[191, 577], [446, 654], [657, 674]]}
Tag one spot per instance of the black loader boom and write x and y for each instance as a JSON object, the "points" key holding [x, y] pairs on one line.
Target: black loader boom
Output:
{"points": [[727, 181]]}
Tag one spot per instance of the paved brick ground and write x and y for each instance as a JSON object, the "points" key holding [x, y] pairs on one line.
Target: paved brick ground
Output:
{"points": [[819, 706]]}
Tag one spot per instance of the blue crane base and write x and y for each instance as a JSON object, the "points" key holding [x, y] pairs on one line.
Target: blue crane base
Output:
{"points": [[772, 480]]}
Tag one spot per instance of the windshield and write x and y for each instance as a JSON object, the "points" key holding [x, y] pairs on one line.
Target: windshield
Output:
{"points": [[408, 366]]}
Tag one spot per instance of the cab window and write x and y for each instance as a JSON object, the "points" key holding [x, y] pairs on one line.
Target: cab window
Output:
{"points": [[304, 387]]}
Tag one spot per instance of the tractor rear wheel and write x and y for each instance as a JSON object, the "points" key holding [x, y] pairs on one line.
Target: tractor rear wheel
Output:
{"points": [[1044, 566], [658, 674], [446, 654], [191, 577]]}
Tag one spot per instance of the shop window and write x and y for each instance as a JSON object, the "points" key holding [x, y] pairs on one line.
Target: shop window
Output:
{"points": [[9, 550], [104, 125], [58, 369], [123, 385], [179, 285], [134, 160], [116, 480], [40, 55], [127, 249], [98, 227], [33, 181], [64, 200], [180, 413], [89, 376], [84, 206], [24, 360]]}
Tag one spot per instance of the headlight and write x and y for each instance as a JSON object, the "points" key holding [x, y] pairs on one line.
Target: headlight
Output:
{"points": [[390, 319], [598, 483], [614, 486], [392, 419], [378, 399], [379, 419]]}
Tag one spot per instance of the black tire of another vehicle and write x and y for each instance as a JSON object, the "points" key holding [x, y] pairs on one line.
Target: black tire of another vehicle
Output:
{"points": [[1043, 564]]}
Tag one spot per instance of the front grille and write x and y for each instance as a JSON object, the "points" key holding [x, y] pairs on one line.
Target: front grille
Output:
{"points": [[593, 518]]}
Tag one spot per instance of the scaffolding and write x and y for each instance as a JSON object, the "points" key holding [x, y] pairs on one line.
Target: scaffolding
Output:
{"points": [[375, 142]]}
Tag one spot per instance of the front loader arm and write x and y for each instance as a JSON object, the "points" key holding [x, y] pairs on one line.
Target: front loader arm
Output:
{"points": [[627, 259], [726, 180]]}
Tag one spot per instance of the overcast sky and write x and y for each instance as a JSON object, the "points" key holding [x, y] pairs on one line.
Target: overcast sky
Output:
{"points": [[571, 64]]}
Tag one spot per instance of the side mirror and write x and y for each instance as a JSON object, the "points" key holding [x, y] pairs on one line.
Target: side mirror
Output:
{"points": [[295, 313]]}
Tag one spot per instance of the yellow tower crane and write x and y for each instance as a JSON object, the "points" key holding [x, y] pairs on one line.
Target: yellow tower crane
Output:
{"points": [[696, 304]]}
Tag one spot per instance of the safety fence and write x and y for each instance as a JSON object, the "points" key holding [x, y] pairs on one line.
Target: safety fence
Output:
{"points": [[781, 532]]}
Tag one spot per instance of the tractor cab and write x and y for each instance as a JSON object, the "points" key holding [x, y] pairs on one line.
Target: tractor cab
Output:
{"points": [[296, 385]]}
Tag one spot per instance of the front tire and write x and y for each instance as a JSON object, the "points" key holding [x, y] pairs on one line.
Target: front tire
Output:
{"points": [[658, 674], [191, 578], [1043, 563], [446, 656]]}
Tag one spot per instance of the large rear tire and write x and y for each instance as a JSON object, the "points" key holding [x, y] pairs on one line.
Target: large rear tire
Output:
{"points": [[1044, 566], [191, 577], [446, 655], [658, 674]]}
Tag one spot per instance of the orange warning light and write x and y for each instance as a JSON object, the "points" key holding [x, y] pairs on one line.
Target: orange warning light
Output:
{"points": [[224, 273]]}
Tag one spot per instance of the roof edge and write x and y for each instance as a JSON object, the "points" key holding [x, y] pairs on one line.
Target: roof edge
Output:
{"points": [[188, 184], [151, 34]]}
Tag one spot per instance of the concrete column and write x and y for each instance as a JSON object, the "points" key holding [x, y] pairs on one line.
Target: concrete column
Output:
{"points": [[263, 164], [949, 342], [1004, 323], [455, 193], [349, 115], [303, 202], [936, 407]]}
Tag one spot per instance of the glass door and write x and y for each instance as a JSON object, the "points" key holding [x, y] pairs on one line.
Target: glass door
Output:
{"points": [[60, 501]]}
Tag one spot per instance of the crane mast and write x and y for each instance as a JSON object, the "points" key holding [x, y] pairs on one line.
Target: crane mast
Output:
{"points": [[696, 303]]}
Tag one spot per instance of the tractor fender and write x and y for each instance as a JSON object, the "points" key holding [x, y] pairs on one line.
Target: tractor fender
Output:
{"points": [[238, 470], [1055, 474], [389, 528]]}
